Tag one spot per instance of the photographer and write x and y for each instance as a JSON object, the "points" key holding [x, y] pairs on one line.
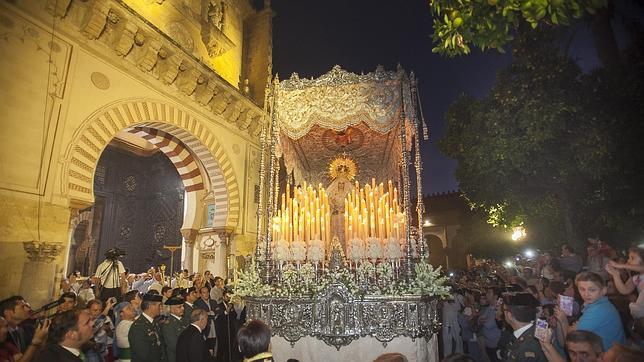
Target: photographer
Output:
{"points": [[110, 272]]}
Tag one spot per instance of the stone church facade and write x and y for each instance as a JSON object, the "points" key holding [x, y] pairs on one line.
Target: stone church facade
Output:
{"points": [[187, 76]]}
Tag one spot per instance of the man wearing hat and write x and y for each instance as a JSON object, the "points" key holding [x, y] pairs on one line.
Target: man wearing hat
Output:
{"points": [[188, 306], [172, 327], [146, 342], [520, 310]]}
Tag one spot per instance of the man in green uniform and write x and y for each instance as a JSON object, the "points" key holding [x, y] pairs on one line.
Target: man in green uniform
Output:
{"points": [[520, 311], [172, 327], [146, 342], [188, 306]]}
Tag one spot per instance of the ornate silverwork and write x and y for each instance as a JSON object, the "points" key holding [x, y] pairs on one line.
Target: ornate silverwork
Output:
{"points": [[337, 317]]}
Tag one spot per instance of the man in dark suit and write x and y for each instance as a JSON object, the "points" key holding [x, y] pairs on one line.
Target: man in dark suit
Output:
{"points": [[172, 327], [204, 302], [191, 346], [145, 339], [189, 305], [67, 333], [226, 327]]}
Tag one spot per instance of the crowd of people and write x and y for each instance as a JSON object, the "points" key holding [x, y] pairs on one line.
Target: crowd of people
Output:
{"points": [[545, 307], [117, 316], [550, 306]]}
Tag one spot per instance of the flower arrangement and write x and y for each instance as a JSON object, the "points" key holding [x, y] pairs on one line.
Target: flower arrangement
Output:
{"points": [[306, 281], [356, 250], [298, 251], [374, 248], [429, 281], [392, 249], [316, 251], [248, 283], [281, 252]]}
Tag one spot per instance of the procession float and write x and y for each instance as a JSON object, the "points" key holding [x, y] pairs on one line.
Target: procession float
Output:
{"points": [[338, 261]]}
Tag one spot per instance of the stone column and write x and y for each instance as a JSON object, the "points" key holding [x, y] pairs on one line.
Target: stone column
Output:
{"points": [[39, 272], [187, 249]]}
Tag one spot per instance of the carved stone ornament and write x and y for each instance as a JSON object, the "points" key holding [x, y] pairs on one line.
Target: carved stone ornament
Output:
{"points": [[210, 255], [42, 251], [189, 236], [212, 242], [216, 42]]}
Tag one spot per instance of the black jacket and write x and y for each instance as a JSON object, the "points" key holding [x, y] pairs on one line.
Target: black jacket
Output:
{"points": [[56, 353], [191, 346]]}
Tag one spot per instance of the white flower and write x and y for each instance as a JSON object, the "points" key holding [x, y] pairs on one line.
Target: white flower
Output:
{"points": [[392, 249], [281, 252], [356, 249], [374, 248], [316, 251], [298, 251]]}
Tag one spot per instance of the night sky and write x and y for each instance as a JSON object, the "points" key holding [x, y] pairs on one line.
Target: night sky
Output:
{"points": [[310, 37]]}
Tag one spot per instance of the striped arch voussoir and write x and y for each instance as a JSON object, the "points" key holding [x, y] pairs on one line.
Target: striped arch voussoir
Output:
{"points": [[183, 138]]}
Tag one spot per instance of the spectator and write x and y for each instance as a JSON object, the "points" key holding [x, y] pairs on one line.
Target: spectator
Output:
{"points": [[9, 352], [189, 304], [635, 264], [597, 259], [191, 346], [489, 329], [254, 339], [166, 293], [569, 260], [124, 314], [209, 306], [599, 315], [584, 346], [15, 311], [102, 324], [217, 293], [133, 297], [68, 300], [451, 329], [86, 292], [68, 332], [157, 283]]}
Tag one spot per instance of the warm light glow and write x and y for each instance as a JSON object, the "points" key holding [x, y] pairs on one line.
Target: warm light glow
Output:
{"points": [[508, 264], [373, 211], [427, 223], [518, 233]]}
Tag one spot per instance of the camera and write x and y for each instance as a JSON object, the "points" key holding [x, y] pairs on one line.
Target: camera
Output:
{"points": [[114, 253]]}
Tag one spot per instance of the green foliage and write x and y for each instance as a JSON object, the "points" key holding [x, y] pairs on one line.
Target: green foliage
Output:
{"points": [[488, 24], [555, 149]]}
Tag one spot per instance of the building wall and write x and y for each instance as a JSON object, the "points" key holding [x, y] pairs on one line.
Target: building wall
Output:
{"points": [[52, 95]]}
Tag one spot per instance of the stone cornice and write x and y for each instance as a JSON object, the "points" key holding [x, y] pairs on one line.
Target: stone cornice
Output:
{"points": [[114, 30]]}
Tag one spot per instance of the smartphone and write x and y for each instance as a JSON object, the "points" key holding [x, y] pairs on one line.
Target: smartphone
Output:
{"points": [[566, 304], [541, 329]]}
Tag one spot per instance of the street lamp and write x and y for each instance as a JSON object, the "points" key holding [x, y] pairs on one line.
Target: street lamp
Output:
{"points": [[518, 233]]}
